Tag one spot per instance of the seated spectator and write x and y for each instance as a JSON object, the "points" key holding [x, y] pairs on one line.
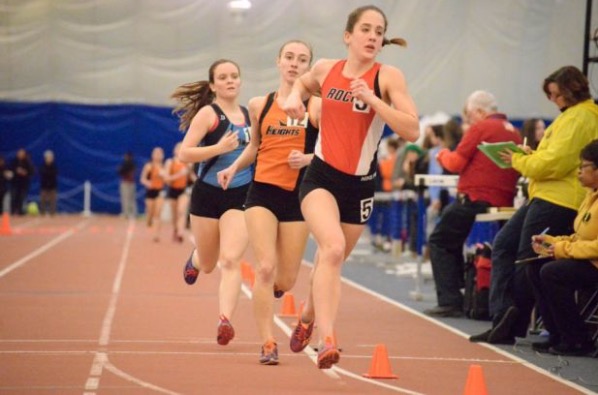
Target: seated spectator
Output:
{"points": [[532, 132], [555, 195], [481, 184], [575, 267]]}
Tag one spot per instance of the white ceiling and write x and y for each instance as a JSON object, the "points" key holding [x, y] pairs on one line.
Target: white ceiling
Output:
{"points": [[113, 51]]}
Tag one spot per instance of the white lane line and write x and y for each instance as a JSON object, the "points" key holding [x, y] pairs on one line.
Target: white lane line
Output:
{"points": [[42, 249], [378, 383], [464, 335], [92, 384], [335, 371], [288, 331], [134, 380], [101, 359], [101, 362], [109, 317], [98, 364]]}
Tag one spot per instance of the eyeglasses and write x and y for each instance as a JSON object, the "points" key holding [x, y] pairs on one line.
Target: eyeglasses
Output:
{"points": [[583, 165]]}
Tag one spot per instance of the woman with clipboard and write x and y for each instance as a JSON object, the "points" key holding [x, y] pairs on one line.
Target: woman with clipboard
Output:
{"points": [[554, 197]]}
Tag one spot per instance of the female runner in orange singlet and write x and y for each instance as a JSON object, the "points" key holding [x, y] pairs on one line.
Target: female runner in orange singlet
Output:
{"points": [[283, 148], [177, 178], [359, 95], [152, 177]]}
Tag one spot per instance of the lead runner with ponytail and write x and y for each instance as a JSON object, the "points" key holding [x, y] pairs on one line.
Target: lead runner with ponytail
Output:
{"points": [[359, 95]]}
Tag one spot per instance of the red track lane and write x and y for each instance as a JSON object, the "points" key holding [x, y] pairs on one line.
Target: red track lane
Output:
{"points": [[93, 306]]}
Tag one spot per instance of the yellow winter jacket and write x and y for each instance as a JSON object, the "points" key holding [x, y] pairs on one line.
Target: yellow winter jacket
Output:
{"points": [[583, 244], [552, 168]]}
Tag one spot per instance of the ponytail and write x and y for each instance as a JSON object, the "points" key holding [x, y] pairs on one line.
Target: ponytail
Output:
{"points": [[397, 41], [194, 95], [191, 98]]}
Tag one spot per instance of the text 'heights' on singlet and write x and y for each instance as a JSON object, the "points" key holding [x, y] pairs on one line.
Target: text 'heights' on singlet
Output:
{"points": [[279, 135]]}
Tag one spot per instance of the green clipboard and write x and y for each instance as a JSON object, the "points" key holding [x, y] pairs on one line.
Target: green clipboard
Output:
{"points": [[491, 150]]}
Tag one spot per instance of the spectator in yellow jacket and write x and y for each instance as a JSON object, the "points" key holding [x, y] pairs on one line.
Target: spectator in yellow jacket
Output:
{"points": [[554, 197], [575, 267]]}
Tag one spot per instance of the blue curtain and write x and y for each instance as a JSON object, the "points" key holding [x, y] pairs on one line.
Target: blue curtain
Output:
{"points": [[89, 142]]}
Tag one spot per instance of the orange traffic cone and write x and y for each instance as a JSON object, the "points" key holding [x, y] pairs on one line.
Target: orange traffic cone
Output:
{"points": [[247, 273], [5, 229], [288, 306], [251, 279], [380, 366], [475, 385], [244, 269]]}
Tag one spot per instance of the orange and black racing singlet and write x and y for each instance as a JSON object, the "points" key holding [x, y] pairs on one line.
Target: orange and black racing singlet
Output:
{"points": [[180, 182], [350, 130], [154, 177], [278, 136]]}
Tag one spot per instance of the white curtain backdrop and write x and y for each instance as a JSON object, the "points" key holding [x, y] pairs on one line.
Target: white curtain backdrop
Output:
{"points": [[138, 51]]}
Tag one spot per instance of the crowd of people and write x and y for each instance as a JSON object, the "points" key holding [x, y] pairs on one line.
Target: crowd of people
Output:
{"points": [[554, 170], [16, 177], [304, 159]]}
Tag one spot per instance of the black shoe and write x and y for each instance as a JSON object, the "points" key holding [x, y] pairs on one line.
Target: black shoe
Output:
{"points": [[573, 349], [502, 332], [444, 311], [481, 338], [544, 346]]}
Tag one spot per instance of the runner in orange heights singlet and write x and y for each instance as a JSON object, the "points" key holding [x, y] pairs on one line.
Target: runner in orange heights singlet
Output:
{"points": [[278, 234]]}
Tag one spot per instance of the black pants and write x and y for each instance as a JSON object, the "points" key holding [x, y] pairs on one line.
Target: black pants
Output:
{"points": [[509, 283], [2, 194], [446, 249], [554, 284], [17, 199]]}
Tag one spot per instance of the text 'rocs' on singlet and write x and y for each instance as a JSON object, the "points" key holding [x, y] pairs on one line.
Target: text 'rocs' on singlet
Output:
{"points": [[279, 135], [209, 169], [350, 130]]}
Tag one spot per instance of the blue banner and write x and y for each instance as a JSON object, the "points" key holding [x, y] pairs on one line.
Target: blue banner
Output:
{"points": [[89, 142]]}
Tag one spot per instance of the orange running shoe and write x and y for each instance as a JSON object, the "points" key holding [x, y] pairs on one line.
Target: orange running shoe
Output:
{"points": [[269, 354], [301, 336], [226, 332], [328, 355]]}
